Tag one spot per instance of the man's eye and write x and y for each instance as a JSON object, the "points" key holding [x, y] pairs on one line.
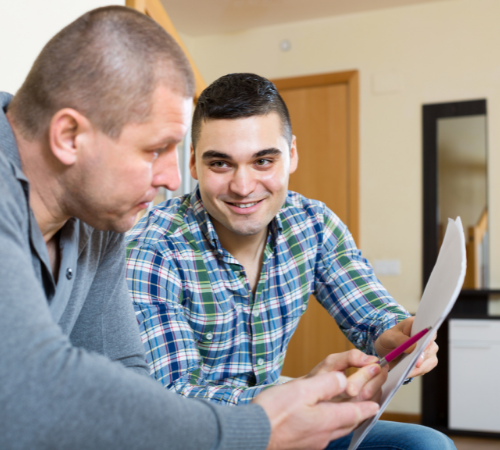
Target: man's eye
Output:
{"points": [[156, 152], [219, 164], [262, 162]]}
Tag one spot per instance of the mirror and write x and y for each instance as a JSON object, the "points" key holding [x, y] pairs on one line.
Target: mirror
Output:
{"points": [[455, 159], [462, 188]]}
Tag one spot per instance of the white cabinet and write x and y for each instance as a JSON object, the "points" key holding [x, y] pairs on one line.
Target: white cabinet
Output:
{"points": [[474, 375]]}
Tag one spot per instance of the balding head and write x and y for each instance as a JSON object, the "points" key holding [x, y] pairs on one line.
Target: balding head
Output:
{"points": [[106, 65]]}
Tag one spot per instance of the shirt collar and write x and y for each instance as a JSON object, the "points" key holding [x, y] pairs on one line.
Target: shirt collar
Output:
{"points": [[204, 221], [207, 228], [8, 143], [69, 240]]}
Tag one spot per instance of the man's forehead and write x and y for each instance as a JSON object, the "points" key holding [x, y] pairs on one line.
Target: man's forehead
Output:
{"points": [[271, 120], [170, 113], [253, 128], [162, 127]]}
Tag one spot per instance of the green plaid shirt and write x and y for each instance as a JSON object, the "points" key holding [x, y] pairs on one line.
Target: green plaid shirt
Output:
{"points": [[204, 332]]}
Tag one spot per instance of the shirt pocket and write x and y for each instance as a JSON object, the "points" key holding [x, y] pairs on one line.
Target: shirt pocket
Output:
{"points": [[213, 326]]}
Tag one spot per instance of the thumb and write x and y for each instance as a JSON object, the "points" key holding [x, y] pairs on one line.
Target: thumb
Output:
{"points": [[324, 386], [396, 338], [410, 349], [401, 338]]}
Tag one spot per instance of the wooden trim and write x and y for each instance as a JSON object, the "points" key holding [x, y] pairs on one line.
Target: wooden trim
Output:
{"points": [[351, 78], [139, 5], [353, 84], [155, 10], [400, 417], [315, 80], [451, 433]]}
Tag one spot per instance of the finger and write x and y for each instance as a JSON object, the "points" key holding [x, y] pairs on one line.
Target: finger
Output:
{"points": [[341, 432], [356, 381], [345, 360], [377, 398], [344, 417], [322, 387], [426, 367], [394, 339], [434, 348], [367, 410], [427, 361], [430, 351], [431, 342], [410, 349], [372, 390], [431, 347]]}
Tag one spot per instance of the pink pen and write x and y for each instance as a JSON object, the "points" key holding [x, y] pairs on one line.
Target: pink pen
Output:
{"points": [[399, 350]]}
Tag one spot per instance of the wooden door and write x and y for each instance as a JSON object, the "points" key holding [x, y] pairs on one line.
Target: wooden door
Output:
{"points": [[323, 111]]}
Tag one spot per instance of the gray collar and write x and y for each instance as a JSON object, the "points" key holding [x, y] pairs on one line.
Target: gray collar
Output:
{"points": [[59, 295], [8, 144]]}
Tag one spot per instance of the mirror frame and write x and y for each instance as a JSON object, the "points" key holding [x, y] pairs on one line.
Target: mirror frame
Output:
{"points": [[470, 303], [431, 114]]}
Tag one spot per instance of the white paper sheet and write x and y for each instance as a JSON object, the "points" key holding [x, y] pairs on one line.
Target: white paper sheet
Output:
{"points": [[439, 297]]}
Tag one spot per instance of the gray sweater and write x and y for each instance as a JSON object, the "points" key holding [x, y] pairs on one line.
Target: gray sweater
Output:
{"points": [[72, 369]]}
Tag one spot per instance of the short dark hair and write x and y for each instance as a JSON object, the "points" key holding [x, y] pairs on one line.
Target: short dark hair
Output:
{"points": [[236, 96], [106, 65]]}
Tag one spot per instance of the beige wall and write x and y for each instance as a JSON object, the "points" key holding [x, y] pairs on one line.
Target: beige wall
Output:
{"points": [[408, 56], [26, 27]]}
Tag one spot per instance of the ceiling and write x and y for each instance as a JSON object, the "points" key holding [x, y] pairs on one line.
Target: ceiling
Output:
{"points": [[201, 17]]}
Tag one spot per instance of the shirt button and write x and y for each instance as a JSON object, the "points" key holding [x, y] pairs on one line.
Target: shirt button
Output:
{"points": [[304, 307], [260, 361], [69, 273], [255, 313], [209, 336]]}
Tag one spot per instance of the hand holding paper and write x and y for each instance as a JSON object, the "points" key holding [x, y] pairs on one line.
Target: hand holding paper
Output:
{"points": [[439, 297], [394, 337], [403, 348]]}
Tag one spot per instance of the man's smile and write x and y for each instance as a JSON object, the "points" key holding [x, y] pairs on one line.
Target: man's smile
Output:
{"points": [[244, 207]]}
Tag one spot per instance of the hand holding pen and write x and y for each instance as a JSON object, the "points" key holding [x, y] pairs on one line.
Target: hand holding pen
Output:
{"points": [[399, 334], [404, 346]]}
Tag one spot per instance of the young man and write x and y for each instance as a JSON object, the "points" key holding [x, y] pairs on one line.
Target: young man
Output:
{"points": [[84, 145], [221, 277]]}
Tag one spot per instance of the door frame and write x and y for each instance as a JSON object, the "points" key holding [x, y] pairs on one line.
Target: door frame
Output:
{"points": [[351, 79], [155, 10]]}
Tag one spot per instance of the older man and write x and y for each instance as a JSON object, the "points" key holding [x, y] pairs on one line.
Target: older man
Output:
{"points": [[84, 145]]}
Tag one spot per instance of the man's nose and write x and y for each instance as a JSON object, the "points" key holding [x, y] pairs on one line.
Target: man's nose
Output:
{"points": [[243, 182], [166, 172]]}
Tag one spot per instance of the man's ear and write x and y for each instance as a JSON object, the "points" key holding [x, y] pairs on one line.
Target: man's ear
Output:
{"points": [[294, 156], [67, 132], [192, 164]]}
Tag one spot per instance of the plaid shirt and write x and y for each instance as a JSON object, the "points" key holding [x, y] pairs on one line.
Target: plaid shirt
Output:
{"points": [[204, 332]]}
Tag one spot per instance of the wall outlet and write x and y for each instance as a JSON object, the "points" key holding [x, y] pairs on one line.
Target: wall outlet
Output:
{"points": [[387, 267]]}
